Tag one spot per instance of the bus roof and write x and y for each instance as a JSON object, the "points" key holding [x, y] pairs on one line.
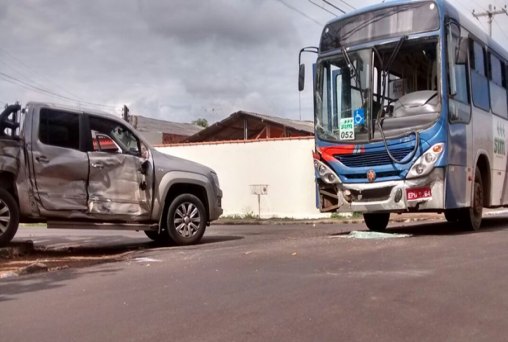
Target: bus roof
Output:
{"points": [[446, 9]]}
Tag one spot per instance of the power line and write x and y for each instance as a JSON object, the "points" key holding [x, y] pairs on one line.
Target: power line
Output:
{"points": [[334, 6], [31, 71], [41, 90], [490, 13], [347, 4], [323, 8], [301, 13], [33, 85]]}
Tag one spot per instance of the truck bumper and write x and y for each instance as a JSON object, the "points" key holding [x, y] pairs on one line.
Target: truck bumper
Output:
{"points": [[216, 206]]}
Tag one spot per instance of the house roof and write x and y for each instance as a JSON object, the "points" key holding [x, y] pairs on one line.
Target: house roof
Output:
{"points": [[144, 124], [244, 125]]}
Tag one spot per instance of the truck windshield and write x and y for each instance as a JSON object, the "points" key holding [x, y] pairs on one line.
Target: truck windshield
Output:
{"points": [[393, 87]]}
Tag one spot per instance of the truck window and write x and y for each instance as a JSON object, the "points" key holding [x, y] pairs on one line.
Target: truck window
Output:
{"points": [[59, 128], [103, 143], [119, 134]]}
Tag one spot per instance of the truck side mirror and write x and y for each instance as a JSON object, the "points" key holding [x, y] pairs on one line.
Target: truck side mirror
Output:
{"points": [[301, 77]]}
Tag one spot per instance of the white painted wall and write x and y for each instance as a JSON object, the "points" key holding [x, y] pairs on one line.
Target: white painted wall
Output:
{"points": [[285, 165]]}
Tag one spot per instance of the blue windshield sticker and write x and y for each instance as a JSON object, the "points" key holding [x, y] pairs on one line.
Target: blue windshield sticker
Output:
{"points": [[359, 116]]}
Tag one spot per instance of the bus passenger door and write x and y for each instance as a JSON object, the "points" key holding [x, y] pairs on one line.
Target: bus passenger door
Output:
{"points": [[460, 136]]}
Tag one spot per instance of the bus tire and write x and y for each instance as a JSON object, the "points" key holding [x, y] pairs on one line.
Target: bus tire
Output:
{"points": [[452, 215], [376, 222], [471, 218], [9, 217]]}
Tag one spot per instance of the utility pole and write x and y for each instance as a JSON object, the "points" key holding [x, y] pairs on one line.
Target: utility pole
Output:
{"points": [[490, 13], [125, 113]]}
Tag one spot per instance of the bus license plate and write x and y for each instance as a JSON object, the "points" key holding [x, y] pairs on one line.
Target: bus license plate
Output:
{"points": [[418, 193]]}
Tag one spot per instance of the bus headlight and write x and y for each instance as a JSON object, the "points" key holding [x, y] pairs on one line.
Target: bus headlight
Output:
{"points": [[325, 173], [425, 163]]}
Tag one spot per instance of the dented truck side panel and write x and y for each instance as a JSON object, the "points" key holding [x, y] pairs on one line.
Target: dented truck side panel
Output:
{"points": [[116, 186]]}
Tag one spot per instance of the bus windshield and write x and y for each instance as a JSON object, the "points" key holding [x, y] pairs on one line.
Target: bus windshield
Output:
{"points": [[391, 88]]}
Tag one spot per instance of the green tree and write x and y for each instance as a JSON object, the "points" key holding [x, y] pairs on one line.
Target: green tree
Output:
{"points": [[201, 122]]}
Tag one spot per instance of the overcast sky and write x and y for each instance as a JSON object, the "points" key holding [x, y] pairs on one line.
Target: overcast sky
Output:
{"points": [[176, 60]]}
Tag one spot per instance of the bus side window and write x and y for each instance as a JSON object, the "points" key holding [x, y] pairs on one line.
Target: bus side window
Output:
{"points": [[479, 81], [461, 70], [497, 86]]}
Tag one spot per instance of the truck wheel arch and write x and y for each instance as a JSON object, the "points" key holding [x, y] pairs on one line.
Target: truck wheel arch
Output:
{"points": [[176, 183], [7, 182]]}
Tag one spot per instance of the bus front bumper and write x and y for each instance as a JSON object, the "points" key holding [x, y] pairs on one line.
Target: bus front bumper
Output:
{"points": [[425, 193]]}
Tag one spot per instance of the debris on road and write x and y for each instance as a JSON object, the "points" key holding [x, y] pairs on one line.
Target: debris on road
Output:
{"points": [[355, 234]]}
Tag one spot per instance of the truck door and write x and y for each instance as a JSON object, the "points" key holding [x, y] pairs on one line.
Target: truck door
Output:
{"points": [[121, 173], [60, 167]]}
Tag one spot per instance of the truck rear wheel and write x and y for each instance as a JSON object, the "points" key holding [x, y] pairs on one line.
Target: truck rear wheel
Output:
{"points": [[9, 217], [186, 220], [376, 222]]}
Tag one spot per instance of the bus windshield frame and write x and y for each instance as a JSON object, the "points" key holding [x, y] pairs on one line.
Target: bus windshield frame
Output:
{"points": [[384, 23], [394, 88]]}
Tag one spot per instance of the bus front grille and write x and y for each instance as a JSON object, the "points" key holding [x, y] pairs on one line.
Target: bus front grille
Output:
{"points": [[376, 158]]}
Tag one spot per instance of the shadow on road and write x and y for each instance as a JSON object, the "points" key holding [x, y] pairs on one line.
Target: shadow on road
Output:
{"points": [[50, 253], [445, 228]]}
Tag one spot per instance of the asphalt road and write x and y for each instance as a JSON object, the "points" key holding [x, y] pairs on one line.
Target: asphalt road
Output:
{"points": [[271, 283]]}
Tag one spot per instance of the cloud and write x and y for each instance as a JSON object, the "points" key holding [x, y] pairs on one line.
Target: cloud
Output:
{"points": [[243, 23]]}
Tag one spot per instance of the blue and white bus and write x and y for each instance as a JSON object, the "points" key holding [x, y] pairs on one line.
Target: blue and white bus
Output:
{"points": [[410, 114]]}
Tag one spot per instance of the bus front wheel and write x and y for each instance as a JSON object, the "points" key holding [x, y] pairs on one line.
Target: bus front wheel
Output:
{"points": [[376, 222], [471, 218]]}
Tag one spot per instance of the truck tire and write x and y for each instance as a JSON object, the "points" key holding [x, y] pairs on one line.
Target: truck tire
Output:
{"points": [[162, 237], [9, 217], [471, 218], [376, 222], [186, 220]]}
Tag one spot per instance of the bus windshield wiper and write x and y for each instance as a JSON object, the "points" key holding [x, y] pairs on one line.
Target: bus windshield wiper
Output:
{"points": [[354, 72], [381, 114], [385, 70]]}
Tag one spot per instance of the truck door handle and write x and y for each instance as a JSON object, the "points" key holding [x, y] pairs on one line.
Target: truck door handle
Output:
{"points": [[98, 165], [42, 159]]}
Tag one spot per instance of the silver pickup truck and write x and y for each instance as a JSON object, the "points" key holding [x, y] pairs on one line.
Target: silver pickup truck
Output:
{"points": [[82, 169]]}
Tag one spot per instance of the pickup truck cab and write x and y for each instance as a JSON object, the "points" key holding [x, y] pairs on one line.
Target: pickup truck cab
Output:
{"points": [[83, 169]]}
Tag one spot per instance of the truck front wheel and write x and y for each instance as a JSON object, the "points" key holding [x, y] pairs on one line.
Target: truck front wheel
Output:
{"points": [[186, 220], [9, 217], [159, 237]]}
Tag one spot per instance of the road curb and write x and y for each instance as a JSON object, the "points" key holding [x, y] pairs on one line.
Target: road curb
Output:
{"points": [[345, 220], [17, 249]]}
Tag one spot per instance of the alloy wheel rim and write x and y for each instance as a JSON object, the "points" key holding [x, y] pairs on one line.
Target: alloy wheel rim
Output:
{"points": [[187, 219], [5, 217]]}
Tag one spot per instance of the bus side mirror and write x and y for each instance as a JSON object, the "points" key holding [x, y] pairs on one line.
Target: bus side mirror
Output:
{"points": [[301, 77]]}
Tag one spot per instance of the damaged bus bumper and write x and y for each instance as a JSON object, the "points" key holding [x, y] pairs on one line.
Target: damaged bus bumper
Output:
{"points": [[425, 194]]}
